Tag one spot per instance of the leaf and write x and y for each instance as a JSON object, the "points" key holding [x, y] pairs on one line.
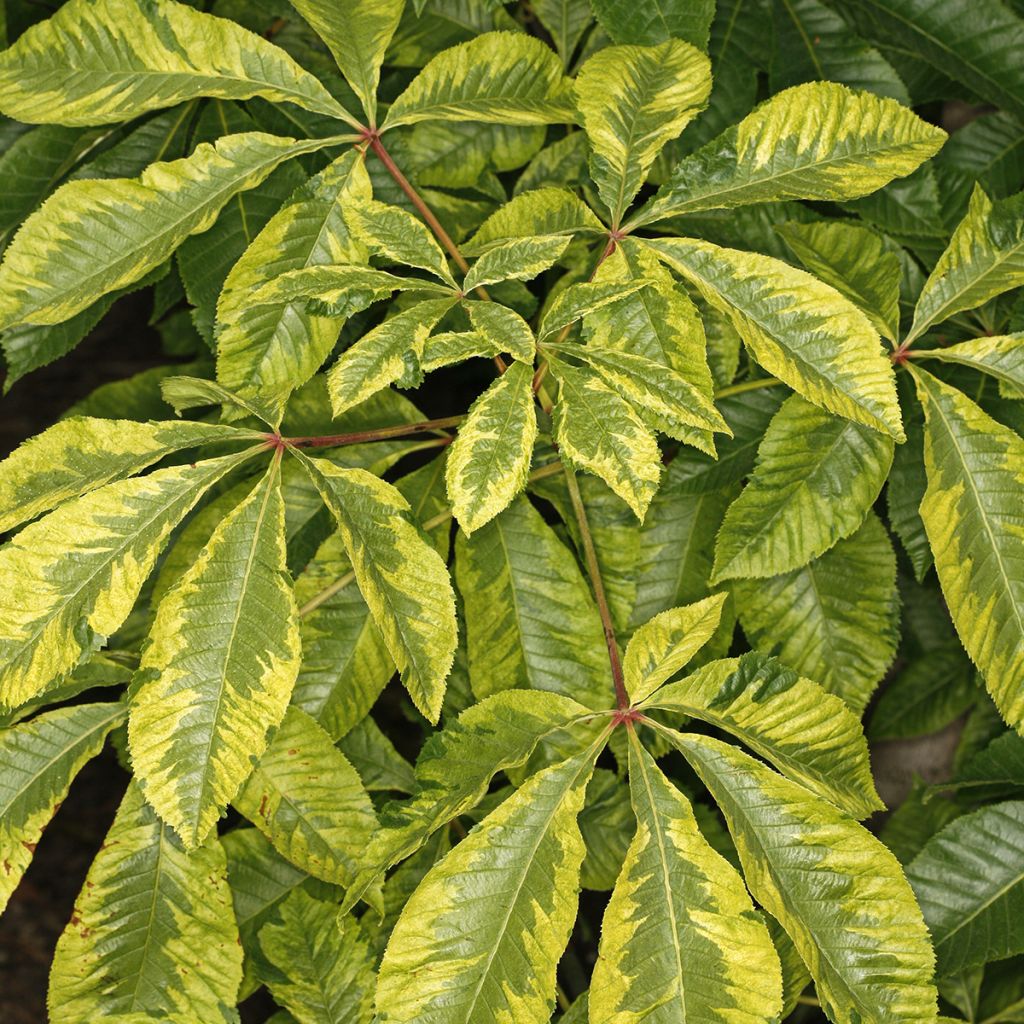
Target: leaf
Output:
{"points": [[496, 78], [218, 668], [541, 211], [809, 735], [664, 645], [70, 579], [856, 262], [392, 232], [357, 32], [815, 141], [39, 760], [307, 799], [92, 237], [656, 20], [403, 580], [460, 950], [153, 932], [81, 453], [504, 328], [531, 621], [103, 61], [971, 892], [680, 938], [975, 526], [815, 480], [566, 22], [1001, 357], [490, 459], [797, 328], [984, 258], [388, 354], [607, 824], [835, 619], [338, 289], [182, 393], [579, 300], [521, 259], [324, 969], [598, 431], [833, 886], [264, 352], [632, 101], [379, 765]]}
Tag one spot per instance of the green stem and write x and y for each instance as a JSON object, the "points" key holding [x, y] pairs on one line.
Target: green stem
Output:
{"points": [[747, 385]]}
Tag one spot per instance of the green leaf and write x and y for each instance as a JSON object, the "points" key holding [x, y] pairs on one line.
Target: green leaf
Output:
{"points": [[70, 579], [496, 78], [833, 886], [809, 735], [38, 762], [598, 431], [796, 327], [664, 645], [79, 454], [389, 354], [632, 101], [1002, 358], [484, 931], [92, 237], [182, 393], [153, 932], [815, 141], [503, 328], [856, 262], [379, 765], [490, 459], [984, 258], [541, 211], [975, 523], [102, 61], [970, 885], [324, 970], [520, 259], [264, 352], [218, 668], [816, 478], [835, 619], [680, 938], [403, 580], [357, 32], [579, 300], [530, 619], [607, 824], [307, 799], [655, 21]]}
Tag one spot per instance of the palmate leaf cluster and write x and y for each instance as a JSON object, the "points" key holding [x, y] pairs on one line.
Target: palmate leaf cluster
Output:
{"points": [[728, 341]]}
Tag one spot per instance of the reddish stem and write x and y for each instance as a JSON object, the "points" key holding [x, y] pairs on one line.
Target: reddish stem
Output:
{"points": [[362, 436]]}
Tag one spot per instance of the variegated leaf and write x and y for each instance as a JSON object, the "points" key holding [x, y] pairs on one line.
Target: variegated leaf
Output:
{"points": [[70, 579], [521, 259], [1001, 357], [218, 668], [490, 459], [797, 328], [578, 300], [504, 328], [680, 938], [541, 211]]}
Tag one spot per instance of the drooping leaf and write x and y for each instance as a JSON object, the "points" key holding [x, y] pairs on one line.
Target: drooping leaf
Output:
{"points": [[984, 258], [680, 938], [662, 646], [403, 580], [971, 892], [324, 971], [815, 141], [461, 950], [632, 101], [834, 620], [1000, 357], [218, 668], [101, 61], [92, 237], [38, 761], [70, 579], [498, 78], [816, 478], [153, 932], [809, 735], [530, 619], [975, 525], [833, 886], [798, 328], [490, 459], [307, 799]]}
